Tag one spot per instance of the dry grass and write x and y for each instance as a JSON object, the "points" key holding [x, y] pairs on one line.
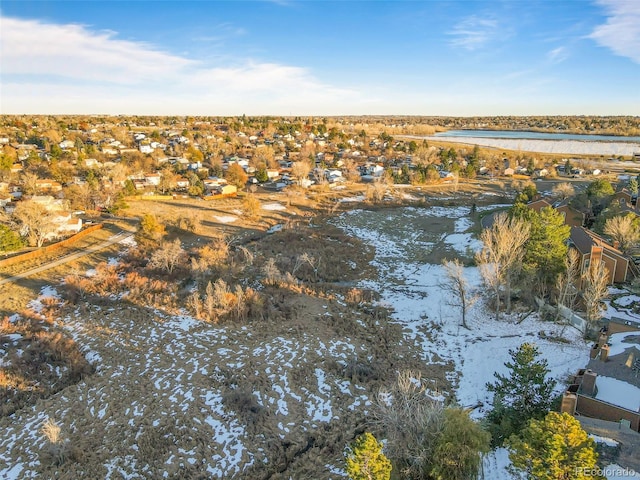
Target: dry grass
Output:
{"points": [[151, 399], [40, 362]]}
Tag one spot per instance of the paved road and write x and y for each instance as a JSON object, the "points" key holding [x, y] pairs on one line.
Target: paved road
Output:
{"points": [[117, 238]]}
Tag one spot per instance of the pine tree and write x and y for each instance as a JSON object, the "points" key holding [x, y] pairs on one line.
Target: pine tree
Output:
{"points": [[522, 395], [460, 446], [365, 460], [554, 448], [9, 240]]}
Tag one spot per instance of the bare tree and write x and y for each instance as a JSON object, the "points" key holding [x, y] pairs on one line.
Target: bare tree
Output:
{"points": [[562, 191], [500, 260], [594, 290], [622, 230], [412, 422], [30, 183], [168, 256], [567, 283], [457, 285], [36, 222], [300, 171]]}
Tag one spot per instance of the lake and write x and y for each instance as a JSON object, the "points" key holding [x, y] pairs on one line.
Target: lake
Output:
{"points": [[519, 134]]}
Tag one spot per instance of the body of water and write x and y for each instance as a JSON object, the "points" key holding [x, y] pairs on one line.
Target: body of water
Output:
{"points": [[524, 135]]}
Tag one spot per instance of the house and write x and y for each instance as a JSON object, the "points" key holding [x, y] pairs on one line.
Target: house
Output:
{"points": [[152, 179], [272, 174], [49, 203], [609, 387], [46, 185], [66, 144], [145, 148], [593, 247], [182, 183], [110, 150], [92, 163], [538, 205], [508, 172], [572, 217]]}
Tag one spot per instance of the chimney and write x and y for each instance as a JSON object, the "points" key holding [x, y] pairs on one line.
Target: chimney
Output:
{"points": [[603, 338], [616, 244], [589, 383], [604, 353], [593, 353], [569, 403]]}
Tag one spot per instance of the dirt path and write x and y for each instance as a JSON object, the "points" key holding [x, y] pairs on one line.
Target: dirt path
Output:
{"points": [[117, 238]]}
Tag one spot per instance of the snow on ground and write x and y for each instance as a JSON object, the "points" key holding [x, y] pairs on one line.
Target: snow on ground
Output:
{"points": [[619, 342], [619, 393], [225, 218], [415, 291], [624, 304], [45, 292], [356, 198], [495, 464], [273, 206], [609, 442]]}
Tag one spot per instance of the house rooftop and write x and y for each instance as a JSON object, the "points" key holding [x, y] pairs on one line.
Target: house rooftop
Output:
{"points": [[583, 239]]}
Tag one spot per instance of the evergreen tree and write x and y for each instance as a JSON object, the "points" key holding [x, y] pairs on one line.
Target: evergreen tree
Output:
{"points": [[523, 394], [9, 240], [459, 448], [554, 448], [365, 460]]}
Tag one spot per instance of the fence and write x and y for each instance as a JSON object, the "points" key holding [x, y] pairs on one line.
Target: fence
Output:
{"points": [[573, 319], [49, 248]]}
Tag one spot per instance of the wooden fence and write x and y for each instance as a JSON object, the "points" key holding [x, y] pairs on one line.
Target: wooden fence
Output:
{"points": [[49, 248]]}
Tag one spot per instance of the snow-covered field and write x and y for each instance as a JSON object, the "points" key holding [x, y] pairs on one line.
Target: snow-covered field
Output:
{"points": [[161, 380], [414, 290]]}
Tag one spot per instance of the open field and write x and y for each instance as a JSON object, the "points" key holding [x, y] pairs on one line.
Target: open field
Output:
{"points": [[279, 393]]}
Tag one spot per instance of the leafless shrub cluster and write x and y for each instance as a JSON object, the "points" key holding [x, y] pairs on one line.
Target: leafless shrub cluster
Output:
{"points": [[412, 422], [220, 302], [43, 362]]}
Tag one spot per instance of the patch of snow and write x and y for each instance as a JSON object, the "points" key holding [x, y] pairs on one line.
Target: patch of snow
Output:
{"points": [[495, 464], [357, 198], [609, 442], [619, 342], [463, 243], [275, 228], [273, 206], [225, 218]]}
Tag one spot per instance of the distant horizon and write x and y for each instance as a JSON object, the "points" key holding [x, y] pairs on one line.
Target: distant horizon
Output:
{"points": [[316, 58], [308, 115]]}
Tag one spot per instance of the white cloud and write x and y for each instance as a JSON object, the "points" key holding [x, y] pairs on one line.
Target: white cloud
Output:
{"points": [[621, 32], [71, 69], [473, 32], [36, 48], [558, 55]]}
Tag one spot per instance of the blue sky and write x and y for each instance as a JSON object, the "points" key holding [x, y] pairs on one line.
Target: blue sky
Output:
{"points": [[296, 57]]}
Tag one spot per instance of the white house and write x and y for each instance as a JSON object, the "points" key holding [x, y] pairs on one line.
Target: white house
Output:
{"points": [[145, 148], [152, 179], [66, 144]]}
